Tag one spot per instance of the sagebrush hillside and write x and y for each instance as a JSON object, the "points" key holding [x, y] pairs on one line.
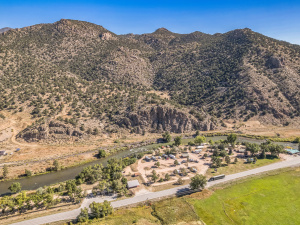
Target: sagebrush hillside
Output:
{"points": [[77, 79]]}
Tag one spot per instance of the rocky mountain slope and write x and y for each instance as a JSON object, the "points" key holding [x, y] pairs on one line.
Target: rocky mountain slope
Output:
{"points": [[79, 75]]}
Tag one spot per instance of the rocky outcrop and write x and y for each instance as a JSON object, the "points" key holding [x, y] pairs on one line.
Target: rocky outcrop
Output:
{"points": [[163, 118], [50, 131]]}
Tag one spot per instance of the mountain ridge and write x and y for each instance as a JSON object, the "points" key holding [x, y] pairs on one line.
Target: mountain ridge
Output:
{"points": [[119, 80]]}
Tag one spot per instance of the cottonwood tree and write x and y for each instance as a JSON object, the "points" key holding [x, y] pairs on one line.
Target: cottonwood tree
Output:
{"points": [[5, 171], [177, 140], [227, 160], [199, 140], [198, 181], [231, 138], [15, 187]]}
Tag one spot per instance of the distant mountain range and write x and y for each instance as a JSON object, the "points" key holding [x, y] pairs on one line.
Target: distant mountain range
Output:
{"points": [[78, 78]]}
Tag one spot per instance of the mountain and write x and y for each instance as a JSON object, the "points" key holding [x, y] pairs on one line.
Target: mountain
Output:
{"points": [[78, 78]]}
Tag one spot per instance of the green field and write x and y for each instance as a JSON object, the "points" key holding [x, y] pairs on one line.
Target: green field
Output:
{"points": [[273, 198]]}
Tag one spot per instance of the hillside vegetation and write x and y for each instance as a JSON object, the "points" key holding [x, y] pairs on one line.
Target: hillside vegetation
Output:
{"points": [[78, 79]]}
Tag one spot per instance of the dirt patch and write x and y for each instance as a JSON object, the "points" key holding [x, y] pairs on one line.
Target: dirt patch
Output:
{"points": [[201, 195]]}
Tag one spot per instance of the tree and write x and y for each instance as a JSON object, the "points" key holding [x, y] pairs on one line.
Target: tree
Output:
{"points": [[28, 173], [176, 162], [227, 160], [101, 153], [211, 142], [167, 177], [263, 154], [218, 162], [56, 165], [231, 138], [157, 164], [235, 160], [199, 140], [179, 181], [197, 133], [100, 210], [252, 147], [198, 181], [15, 187], [167, 137], [83, 216], [5, 171], [177, 140], [154, 176]]}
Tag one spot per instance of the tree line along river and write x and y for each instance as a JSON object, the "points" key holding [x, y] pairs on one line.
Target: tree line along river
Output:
{"points": [[34, 182]]}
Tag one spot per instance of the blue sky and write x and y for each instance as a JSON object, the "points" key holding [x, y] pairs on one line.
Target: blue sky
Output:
{"points": [[278, 19]]}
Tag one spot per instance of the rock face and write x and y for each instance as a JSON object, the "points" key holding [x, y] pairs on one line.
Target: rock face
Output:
{"points": [[50, 131], [160, 118]]}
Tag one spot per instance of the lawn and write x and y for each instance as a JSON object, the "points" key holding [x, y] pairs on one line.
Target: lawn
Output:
{"points": [[239, 167], [272, 200]]}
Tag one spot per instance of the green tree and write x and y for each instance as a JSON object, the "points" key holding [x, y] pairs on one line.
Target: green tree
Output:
{"points": [[5, 171], [231, 138], [198, 181], [218, 162], [167, 177], [56, 165], [252, 147], [157, 164], [100, 210], [101, 153], [227, 160], [199, 140], [211, 142], [28, 173], [154, 176], [15, 187], [176, 162], [177, 140], [235, 160], [167, 137], [263, 154]]}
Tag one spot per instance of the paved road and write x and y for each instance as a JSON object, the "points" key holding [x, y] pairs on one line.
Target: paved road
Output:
{"points": [[154, 195]]}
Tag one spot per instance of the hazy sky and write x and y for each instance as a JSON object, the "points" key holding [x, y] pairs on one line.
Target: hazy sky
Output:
{"points": [[277, 18]]}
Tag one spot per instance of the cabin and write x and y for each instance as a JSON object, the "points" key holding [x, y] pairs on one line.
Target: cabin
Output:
{"points": [[133, 184]]}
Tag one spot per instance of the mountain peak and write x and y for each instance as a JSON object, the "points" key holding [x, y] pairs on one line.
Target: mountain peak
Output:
{"points": [[162, 30]]}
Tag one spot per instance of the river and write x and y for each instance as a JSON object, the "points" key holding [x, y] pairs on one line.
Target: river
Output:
{"points": [[32, 183]]}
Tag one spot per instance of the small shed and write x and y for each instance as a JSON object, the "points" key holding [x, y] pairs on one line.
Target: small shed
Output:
{"points": [[133, 184]]}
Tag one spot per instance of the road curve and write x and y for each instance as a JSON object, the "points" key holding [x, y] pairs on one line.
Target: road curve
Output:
{"points": [[154, 195]]}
